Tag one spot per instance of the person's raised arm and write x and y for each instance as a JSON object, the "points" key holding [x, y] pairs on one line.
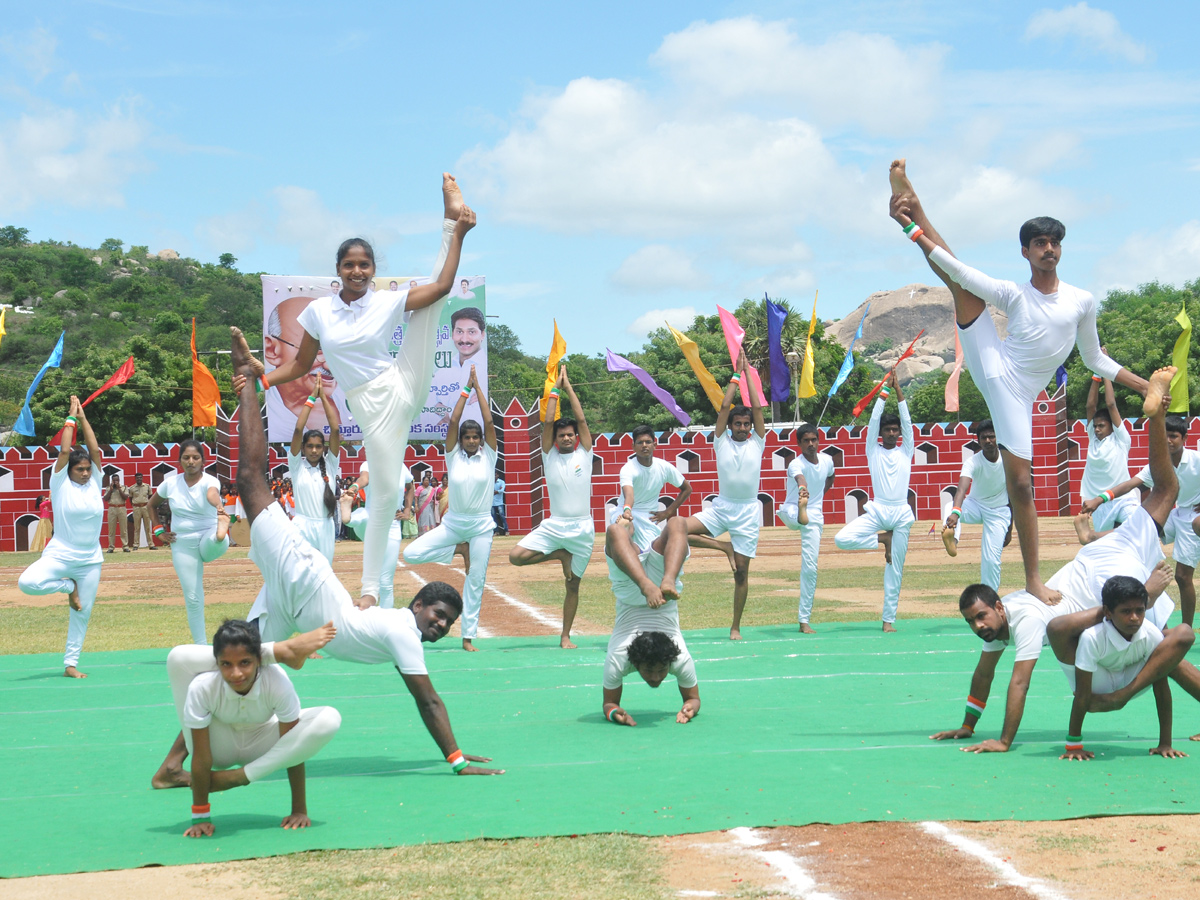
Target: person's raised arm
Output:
{"points": [[456, 415], [89, 437], [981, 688], [873, 422], [551, 411], [585, 436], [756, 399], [1110, 401], [332, 416], [1083, 696], [485, 411], [69, 435], [427, 294], [437, 720], [306, 355], [302, 423], [908, 441], [1014, 709], [201, 780], [727, 403], [1093, 400]]}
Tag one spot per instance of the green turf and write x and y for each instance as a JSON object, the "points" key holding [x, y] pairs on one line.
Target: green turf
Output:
{"points": [[793, 730]]}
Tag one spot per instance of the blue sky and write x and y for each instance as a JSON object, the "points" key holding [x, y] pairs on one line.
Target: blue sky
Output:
{"points": [[629, 163]]}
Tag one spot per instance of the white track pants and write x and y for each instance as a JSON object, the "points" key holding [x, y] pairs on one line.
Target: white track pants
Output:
{"points": [[319, 533], [391, 556], [384, 408], [189, 553], [435, 545], [863, 534], [50, 575], [995, 524], [260, 749]]}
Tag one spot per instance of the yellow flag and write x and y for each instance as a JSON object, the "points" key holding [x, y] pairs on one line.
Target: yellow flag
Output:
{"points": [[806, 388], [558, 350], [2, 331], [1179, 359], [692, 353], [205, 394]]}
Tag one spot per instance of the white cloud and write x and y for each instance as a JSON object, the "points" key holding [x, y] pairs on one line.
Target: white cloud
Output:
{"points": [[1094, 28], [657, 267], [680, 317], [33, 50], [1171, 257]]}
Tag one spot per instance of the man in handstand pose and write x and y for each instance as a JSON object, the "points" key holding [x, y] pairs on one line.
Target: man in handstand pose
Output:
{"points": [[1021, 619], [982, 498], [646, 636], [302, 593], [1046, 318]]}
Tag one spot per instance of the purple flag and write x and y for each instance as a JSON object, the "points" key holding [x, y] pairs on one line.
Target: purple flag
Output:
{"points": [[1060, 376], [621, 364], [781, 382]]}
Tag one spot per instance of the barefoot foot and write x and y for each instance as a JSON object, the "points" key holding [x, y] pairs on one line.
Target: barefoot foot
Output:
{"points": [[73, 597], [805, 628], [243, 361], [452, 199], [72, 672], [898, 178], [885, 541], [222, 524], [668, 590], [735, 634], [889, 628], [728, 550], [1158, 394], [467, 645], [1083, 528], [949, 541], [346, 505], [171, 777], [565, 643]]}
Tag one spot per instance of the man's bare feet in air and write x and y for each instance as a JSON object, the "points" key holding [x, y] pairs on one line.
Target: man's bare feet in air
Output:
{"points": [[468, 645], [1084, 529], [222, 524], [73, 597], [240, 355], [1158, 394], [948, 540], [72, 672], [464, 550], [295, 650], [805, 628], [565, 643], [667, 589], [654, 594], [885, 541], [452, 198], [889, 628]]}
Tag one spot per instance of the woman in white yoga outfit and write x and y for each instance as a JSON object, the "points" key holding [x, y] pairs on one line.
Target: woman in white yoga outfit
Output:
{"points": [[199, 528], [354, 332], [313, 469], [356, 521], [71, 562], [242, 720], [471, 463]]}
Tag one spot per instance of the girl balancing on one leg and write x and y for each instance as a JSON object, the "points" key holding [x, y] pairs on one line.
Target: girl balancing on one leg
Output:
{"points": [[314, 473], [471, 462], [70, 564], [199, 528], [354, 332]]}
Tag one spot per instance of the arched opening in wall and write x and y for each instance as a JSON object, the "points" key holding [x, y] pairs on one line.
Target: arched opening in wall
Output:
{"points": [[835, 454], [6, 480], [610, 508], [280, 471], [925, 454], [856, 504], [970, 448], [766, 509], [664, 502], [46, 473], [782, 458], [948, 496], [26, 526], [597, 464], [707, 501], [159, 472], [912, 502], [420, 470], [1073, 453], [688, 461]]}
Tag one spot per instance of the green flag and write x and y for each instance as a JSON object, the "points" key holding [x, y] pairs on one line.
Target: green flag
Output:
{"points": [[1179, 358]]}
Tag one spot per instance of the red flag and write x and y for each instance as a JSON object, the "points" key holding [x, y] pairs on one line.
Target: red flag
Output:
{"points": [[120, 376], [862, 404]]}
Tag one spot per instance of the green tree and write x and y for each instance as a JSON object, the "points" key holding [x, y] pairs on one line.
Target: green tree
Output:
{"points": [[226, 260], [12, 236], [112, 245]]}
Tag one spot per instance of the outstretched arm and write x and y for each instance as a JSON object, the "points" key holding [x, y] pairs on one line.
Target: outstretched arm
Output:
{"points": [[756, 400], [437, 720], [302, 423], [1091, 504], [551, 411], [585, 436], [960, 495], [1014, 709], [332, 416], [485, 411], [1110, 400], [306, 355], [1093, 399], [727, 404], [69, 435], [428, 294], [981, 688]]}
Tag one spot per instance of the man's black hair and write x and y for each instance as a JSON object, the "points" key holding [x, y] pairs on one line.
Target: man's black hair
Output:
{"points": [[653, 648], [469, 312], [1102, 413], [438, 592], [806, 428], [1177, 424], [974, 592], [888, 419], [1120, 588], [641, 431], [1042, 226], [978, 428], [564, 422], [740, 411]]}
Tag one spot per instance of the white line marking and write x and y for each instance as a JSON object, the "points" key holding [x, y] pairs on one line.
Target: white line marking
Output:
{"points": [[480, 631], [532, 611], [1005, 870], [798, 882]]}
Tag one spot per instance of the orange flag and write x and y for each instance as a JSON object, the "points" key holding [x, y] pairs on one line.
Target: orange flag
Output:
{"points": [[205, 394]]}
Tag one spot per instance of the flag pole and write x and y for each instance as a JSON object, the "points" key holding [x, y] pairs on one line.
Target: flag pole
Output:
{"points": [[823, 408]]}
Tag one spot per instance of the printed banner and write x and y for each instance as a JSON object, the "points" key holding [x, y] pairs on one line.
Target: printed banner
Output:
{"points": [[461, 343]]}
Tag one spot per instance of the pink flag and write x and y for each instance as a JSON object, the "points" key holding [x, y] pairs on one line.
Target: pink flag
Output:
{"points": [[952, 382], [734, 335]]}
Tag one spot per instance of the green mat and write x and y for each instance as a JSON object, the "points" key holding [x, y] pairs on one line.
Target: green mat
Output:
{"points": [[832, 728]]}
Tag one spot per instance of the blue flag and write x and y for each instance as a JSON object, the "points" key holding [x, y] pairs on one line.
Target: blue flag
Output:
{"points": [[25, 419], [781, 386], [1060, 376], [848, 362]]}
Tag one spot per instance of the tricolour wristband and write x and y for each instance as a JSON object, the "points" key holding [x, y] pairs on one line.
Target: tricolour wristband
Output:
{"points": [[975, 707], [910, 227], [159, 530], [201, 813], [457, 761], [736, 378], [464, 394], [1096, 377], [1074, 742], [1106, 496], [310, 402], [612, 712], [956, 512], [915, 234], [884, 393]]}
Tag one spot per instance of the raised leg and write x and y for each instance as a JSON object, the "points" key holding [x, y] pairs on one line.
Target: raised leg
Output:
{"points": [[253, 487]]}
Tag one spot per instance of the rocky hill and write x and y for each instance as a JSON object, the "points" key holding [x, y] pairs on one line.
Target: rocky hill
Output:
{"points": [[896, 317]]}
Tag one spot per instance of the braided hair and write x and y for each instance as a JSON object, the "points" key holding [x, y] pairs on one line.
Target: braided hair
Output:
{"points": [[329, 498]]}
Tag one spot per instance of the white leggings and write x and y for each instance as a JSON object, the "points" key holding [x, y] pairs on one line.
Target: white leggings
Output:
{"points": [[384, 408], [995, 524], [391, 556], [189, 553], [863, 534], [51, 575], [438, 544], [810, 552], [259, 749]]}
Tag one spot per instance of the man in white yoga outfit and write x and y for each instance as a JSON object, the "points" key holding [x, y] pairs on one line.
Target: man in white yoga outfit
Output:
{"points": [[1107, 466], [809, 476], [1046, 318], [642, 480], [569, 534], [982, 499], [887, 518], [1021, 620], [302, 593], [740, 441]]}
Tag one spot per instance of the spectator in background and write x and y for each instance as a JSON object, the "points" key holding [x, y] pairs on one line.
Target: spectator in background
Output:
{"points": [[498, 506]]}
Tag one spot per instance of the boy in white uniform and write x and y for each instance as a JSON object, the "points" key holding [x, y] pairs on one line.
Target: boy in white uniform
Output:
{"points": [[740, 441], [642, 480], [982, 499], [646, 638], [809, 476], [569, 534], [1046, 318], [1107, 465], [303, 594], [887, 517]]}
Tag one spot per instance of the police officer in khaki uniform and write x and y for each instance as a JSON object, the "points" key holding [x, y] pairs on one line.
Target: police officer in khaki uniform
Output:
{"points": [[115, 497], [139, 495]]}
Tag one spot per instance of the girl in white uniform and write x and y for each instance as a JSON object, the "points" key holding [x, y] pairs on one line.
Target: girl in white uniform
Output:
{"points": [[200, 528], [471, 464], [314, 472], [70, 564], [356, 521], [354, 332]]}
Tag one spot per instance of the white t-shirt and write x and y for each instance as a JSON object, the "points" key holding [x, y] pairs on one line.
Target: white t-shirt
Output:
{"points": [[739, 466], [815, 477], [307, 485], [356, 337], [1103, 647], [890, 469], [376, 635], [1107, 461], [209, 697], [647, 481], [191, 513], [988, 485], [1027, 620], [78, 515], [569, 481], [1188, 473], [471, 480]]}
